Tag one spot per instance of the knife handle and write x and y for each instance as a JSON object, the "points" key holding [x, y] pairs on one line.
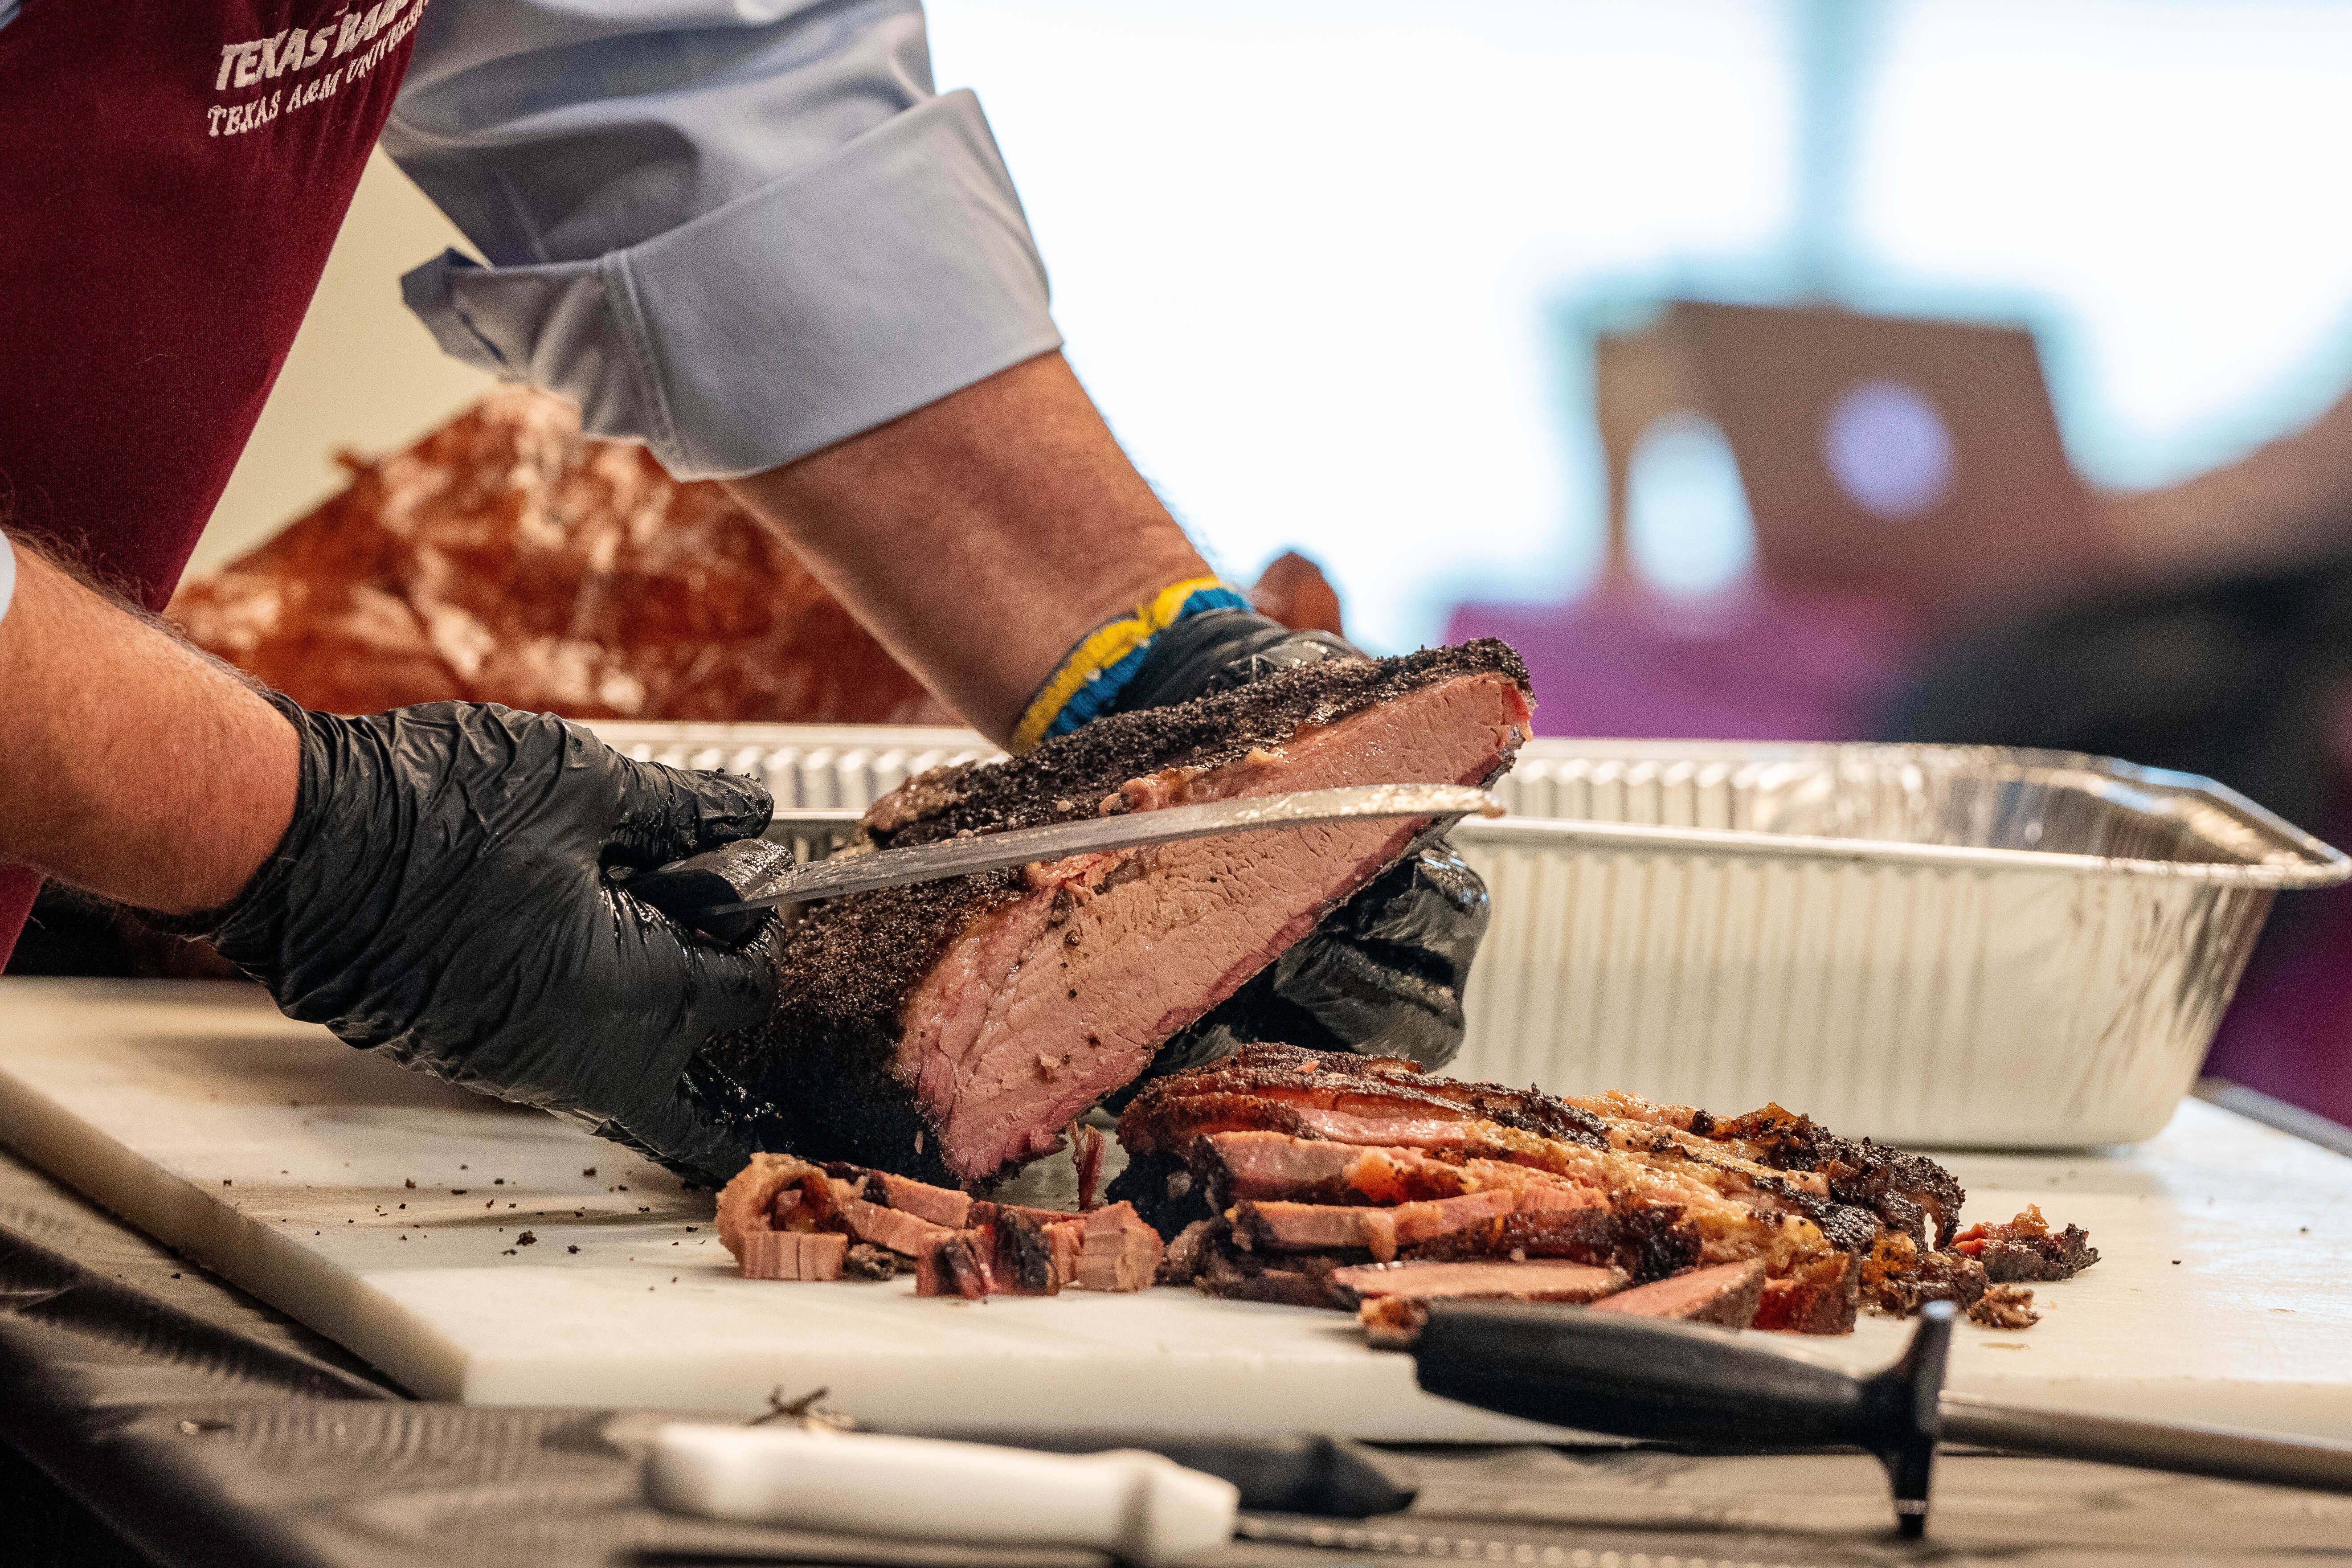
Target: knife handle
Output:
{"points": [[1137, 1506], [1684, 1383], [686, 891]]}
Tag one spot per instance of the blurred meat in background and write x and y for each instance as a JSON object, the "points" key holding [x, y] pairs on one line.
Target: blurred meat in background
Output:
{"points": [[504, 559]]}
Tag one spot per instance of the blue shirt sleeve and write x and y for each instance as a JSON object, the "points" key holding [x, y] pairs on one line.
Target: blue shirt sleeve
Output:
{"points": [[735, 230]]}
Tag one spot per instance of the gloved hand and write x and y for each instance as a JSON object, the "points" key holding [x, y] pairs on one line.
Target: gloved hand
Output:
{"points": [[1383, 974], [443, 897]]}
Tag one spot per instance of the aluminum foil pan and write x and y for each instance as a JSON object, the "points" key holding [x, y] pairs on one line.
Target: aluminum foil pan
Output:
{"points": [[1929, 944], [824, 776], [1933, 945]]}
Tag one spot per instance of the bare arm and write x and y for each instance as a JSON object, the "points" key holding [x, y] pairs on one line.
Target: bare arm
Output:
{"points": [[131, 765], [981, 536]]}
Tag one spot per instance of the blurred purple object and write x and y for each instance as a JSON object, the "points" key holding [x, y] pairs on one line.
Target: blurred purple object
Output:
{"points": [[2289, 1032], [1754, 662]]}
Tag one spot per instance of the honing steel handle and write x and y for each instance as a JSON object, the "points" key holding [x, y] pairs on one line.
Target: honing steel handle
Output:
{"points": [[1684, 1383]]}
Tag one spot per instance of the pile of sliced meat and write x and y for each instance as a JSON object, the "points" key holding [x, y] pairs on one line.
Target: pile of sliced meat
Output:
{"points": [[952, 1030], [1334, 1181], [785, 1218]]}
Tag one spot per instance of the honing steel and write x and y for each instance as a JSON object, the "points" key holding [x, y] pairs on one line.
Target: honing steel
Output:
{"points": [[724, 891], [1632, 1377]]}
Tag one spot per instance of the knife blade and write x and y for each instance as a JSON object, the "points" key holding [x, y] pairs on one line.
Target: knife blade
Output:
{"points": [[723, 891]]}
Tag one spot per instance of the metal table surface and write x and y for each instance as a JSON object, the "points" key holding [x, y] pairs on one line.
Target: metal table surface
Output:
{"points": [[153, 1413]]}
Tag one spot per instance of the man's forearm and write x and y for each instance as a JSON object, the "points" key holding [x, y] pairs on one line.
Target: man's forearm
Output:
{"points": [[131, 765], [983, 535]]}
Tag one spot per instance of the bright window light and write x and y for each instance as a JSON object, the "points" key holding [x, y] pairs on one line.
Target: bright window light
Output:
{"points": [[1313, 257], [1687, 522]]}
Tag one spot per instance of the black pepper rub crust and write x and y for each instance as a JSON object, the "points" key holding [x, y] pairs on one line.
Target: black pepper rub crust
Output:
{"points": [[1067, 776], [1907, 1192]]}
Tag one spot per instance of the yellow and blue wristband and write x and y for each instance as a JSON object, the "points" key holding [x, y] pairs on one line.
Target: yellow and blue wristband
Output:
{"points": [[1088, 681]]}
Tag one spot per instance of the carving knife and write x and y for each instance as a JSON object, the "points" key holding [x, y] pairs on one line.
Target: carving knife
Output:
{"points": [[726, 891]]}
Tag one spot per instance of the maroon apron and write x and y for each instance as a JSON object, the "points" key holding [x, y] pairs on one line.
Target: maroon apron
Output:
{"points": [[171, 176]]}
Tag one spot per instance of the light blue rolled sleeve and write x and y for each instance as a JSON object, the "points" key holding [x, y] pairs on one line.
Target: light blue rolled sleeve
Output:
{"points": [[735, 230]]}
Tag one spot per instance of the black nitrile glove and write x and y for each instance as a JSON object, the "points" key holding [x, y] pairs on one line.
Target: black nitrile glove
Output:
{"points": [[1383, 974], [442, 897]]}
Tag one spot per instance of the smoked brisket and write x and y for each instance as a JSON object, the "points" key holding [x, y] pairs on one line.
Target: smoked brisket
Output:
{"points": [[951, 1030]]}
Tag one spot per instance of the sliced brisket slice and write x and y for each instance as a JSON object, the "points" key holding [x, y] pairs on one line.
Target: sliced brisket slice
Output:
{"points": [[1322, 1228], [1391, 1300], [950, 1030], [1646, 1243], [1341, 1098], [1530, 1281], [1726, 1295], [1725, 1206], [941, 1206]]}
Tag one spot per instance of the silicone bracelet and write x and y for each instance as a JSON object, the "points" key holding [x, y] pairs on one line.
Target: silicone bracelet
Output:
{"points": [[1087, 681]]}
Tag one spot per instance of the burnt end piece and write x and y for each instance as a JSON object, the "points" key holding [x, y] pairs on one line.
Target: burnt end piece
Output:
{"points": [[2023, 1249], [1184, 1253], [2038, 1260], [1022, 1261], [865, 1261], [2004, 1307], [1299, 1281], [1164, 1190], [1819, 1297], [956, 1263], [824, 1078], [1907, 1192], [1899, 1279]]}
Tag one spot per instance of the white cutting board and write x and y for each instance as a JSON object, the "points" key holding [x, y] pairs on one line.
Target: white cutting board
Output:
{"points": [[278, 1157]]}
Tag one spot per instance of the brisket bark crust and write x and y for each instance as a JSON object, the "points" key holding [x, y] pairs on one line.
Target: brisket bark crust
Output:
{"points": [[950, 1030]]}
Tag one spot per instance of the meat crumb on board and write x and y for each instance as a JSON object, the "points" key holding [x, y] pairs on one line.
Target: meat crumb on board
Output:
{"points": [[778, 1206]]}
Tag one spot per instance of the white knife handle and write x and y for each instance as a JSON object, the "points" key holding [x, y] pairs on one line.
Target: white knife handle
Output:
{"points": [[1139, 1506]]}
